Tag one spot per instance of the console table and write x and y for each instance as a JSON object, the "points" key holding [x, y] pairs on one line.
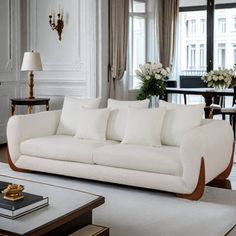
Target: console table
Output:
{"points": [[29, 103]]}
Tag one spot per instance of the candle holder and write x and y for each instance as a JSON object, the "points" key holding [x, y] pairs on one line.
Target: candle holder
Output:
{"points": [[58, 24]]}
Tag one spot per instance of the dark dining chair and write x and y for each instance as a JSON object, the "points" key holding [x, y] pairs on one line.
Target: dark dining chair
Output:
{"points": [[190, 81], [224, 111]]}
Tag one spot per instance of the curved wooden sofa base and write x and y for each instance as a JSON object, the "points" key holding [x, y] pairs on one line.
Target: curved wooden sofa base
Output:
{"points": [[199, 190], [195, 195], [12, 165]]}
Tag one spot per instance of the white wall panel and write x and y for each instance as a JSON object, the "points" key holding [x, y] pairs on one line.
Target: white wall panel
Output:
{"points": [[9, 49], [5, 36], [57, 55], [69, 65]]}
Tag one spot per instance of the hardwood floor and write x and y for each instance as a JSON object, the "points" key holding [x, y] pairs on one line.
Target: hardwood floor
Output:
{"points": [[232, 177], [3, 153]]}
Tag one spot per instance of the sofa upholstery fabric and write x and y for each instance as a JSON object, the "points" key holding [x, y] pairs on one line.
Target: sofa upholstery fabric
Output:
{"points": [[117, 119], [92, 124], [164, 160], [179, 119], [62, 147], [70, 112], [143, 126]]}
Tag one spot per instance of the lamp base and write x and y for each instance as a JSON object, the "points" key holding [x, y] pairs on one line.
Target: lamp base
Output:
{"points": [[31, 85]]}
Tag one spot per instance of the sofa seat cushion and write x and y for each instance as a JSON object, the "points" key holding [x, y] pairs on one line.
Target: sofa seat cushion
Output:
{"points": [[163, 160], [62, 147]]}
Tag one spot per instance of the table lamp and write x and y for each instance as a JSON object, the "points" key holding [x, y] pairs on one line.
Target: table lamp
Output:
{"points": [[31, 62]]}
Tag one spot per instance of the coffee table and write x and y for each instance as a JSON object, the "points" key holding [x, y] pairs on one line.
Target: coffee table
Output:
{"points": [[68, 210]]}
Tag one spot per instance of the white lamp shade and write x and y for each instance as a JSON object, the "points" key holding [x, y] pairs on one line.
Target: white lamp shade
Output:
{"points": [[31, 62]]}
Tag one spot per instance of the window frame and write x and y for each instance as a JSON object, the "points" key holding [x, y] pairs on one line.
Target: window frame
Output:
{"points": [[210, 7], [143, 15]]}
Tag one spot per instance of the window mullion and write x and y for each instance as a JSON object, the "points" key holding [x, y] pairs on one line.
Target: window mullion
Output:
{"points": [[210, 34]]}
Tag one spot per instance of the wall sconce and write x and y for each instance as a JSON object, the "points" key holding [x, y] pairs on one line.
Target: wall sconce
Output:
{"points": [[58, 24]]}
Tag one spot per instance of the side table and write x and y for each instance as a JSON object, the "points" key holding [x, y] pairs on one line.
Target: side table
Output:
{"points": [[28, 102]]}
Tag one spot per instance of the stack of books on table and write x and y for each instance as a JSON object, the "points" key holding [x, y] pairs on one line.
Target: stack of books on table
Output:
{"points": [[15, 209]]}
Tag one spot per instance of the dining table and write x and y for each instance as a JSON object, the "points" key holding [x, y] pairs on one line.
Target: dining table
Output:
{"points": [[207, 93]]}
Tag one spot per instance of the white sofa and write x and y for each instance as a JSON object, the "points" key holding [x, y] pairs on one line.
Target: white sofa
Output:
{"points": [[205, 153]]}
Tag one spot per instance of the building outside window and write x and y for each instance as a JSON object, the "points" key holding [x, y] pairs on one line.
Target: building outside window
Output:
{"points": [[202, 56], [202, 26], [191, 56], [221, 25], [137, 38], [224, 41], [234, 53], [221, 55], [191, 27]]}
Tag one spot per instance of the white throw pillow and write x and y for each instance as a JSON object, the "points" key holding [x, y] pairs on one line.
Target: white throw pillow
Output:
{"points": [[92, 124], [178, 120], [71, 112], [143, 126], [118, 115]]}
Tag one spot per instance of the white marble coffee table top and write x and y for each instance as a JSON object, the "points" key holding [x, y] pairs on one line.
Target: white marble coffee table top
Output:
{"points": [[62, 202]]}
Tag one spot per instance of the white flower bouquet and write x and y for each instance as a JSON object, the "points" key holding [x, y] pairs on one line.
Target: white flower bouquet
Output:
{"points": [[221, 78], [153, 77]]}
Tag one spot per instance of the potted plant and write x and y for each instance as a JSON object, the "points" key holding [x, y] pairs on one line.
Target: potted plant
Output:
{"points": [[153, 77], [219, 79]]}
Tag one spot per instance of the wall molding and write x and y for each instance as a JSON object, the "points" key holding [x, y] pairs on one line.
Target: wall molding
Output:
{"points": [[7, 67], [73, 65]]}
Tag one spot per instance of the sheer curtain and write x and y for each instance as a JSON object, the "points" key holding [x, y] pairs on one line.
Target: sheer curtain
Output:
{"points": [[118, 41]]}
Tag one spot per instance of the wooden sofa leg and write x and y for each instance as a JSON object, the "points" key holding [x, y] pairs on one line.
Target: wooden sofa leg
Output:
{"points": [[221, 180], [12, 165], [199, 190]]}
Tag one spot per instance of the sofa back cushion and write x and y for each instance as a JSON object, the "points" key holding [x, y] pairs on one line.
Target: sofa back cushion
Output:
{"points": [[117, 119], [92, 124], [144, 127], [178, 120], [70, 112]]}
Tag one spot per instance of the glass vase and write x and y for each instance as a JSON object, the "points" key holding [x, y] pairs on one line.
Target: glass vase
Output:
{"points": [[154, 101]]}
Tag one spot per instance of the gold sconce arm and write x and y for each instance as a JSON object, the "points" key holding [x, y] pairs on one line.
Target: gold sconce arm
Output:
{"points": [[58, 24]]}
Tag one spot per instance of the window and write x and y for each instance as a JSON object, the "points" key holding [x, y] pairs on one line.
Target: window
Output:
{"points": [[217, 43], [221, 55], [192, 52], [221, 25], [234, 54], [191, 56], [224, 39], [202, 26], [137, 39], [202, 56], [191, 27]]}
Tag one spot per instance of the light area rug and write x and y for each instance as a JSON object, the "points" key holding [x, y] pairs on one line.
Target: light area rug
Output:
{"points": [[132, 211]]}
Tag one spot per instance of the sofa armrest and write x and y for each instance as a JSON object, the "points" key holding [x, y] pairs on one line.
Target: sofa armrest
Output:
{"points": [[23, 127], [213, 141]]}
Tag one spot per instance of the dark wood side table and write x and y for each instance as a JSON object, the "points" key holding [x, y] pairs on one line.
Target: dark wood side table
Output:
{"points": [[29, 103]]}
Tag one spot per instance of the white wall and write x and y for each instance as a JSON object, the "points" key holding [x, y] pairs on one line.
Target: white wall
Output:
{"points": [[76, 65], [69, 65], [9, 50]]}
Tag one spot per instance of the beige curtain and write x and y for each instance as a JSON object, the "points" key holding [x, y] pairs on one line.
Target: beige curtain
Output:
{"points": [[118, 40], [167, 20]]}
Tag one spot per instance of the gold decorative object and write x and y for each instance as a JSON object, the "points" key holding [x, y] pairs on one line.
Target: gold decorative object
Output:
{"points": [[58, 24], [13, 192]]}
